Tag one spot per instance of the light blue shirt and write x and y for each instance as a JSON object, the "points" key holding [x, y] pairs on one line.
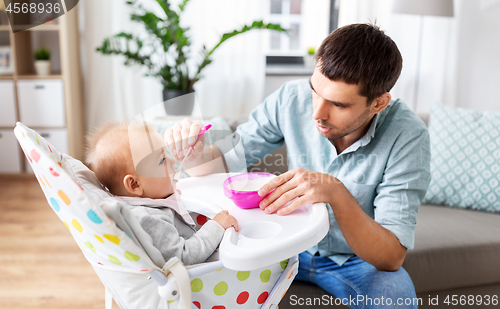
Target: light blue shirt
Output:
{"points": [[387, 170]]}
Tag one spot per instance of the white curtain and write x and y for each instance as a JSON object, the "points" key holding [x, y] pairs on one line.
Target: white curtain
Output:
{"points": [[232, 84], [112, 91]]}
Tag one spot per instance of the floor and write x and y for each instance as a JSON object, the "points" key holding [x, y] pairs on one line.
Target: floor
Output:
{"points": [[40, 264]]}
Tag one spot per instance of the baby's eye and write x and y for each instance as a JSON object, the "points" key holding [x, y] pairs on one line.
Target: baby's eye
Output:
{"points": [[162, 161]]}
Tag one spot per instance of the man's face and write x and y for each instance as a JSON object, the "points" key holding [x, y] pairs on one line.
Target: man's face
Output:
{"points": [[338, 108]]}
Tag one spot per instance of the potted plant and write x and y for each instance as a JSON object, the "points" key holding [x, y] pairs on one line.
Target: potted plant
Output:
{"points": [[165, 51], [309, 61], [42, 61]]}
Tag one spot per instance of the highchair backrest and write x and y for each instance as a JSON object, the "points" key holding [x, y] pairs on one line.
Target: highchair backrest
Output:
{"points": [[80, 206]]}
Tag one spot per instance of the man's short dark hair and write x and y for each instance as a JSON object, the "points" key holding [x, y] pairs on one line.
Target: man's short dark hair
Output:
{"points": [[361, 54]]}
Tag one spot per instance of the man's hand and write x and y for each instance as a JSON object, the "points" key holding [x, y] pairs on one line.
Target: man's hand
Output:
{"points": [[182, 135], [305, 186]]}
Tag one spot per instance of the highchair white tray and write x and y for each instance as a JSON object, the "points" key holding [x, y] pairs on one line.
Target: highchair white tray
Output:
{"points": [[263, 239]]}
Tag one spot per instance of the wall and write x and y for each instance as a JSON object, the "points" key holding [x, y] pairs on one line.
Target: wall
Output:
{"points": [[478, 68]]}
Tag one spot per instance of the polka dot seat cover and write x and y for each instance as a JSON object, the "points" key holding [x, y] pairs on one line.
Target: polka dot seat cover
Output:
{"points": [[105, 245], [101, 241], [227, 289]]}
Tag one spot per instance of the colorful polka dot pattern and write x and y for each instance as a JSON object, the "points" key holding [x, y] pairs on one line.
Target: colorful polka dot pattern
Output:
{"points": [[94, 217], [201, 219], [114, 260], [242, 298], [243, 275], [35, 155], [221, 288], [54, 204], [236, 289], [131, 256], [262, 298], [48, 184], [196, 285], [114, 239], [265, 276], [88, 244], [64, 197], [53, 172], [97, 236], [77, 225], [284, 263]]}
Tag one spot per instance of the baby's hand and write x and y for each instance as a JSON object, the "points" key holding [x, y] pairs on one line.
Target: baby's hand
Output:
{"points": [[226, 220]]}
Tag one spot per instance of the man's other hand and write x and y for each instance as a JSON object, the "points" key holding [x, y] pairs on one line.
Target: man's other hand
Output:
{"points": [[298, 186]]}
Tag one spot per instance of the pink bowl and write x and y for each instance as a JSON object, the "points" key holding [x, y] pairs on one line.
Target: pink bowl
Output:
{"points": [[244, 199]]}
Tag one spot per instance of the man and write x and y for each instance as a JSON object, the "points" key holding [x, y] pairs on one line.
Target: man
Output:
{"points": [[349, 146]]}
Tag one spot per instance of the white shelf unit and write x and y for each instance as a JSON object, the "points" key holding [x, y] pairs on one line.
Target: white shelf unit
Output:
{"points": [[51, 105]]}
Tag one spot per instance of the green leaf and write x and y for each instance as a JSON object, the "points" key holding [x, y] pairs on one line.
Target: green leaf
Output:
{"points": [[183, 5], [258, 24], [255, 25]]}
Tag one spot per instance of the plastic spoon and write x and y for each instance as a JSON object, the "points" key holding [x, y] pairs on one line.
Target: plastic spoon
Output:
{"points": [[205, 129]]}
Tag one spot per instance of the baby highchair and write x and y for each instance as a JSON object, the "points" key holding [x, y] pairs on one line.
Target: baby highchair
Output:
{"points": [[122, 253]]}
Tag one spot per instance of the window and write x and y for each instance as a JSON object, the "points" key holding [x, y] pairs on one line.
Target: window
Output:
{"points": [[287, 13], [308, 22]]}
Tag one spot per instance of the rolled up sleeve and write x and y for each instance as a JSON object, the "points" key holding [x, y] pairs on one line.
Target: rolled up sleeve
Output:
{"points": [[403, 187]]}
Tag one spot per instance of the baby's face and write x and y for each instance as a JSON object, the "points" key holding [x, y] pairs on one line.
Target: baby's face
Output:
{"points": [[154, 169], [156, 173]]}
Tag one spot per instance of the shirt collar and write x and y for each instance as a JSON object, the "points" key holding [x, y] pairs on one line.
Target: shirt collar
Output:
{"points": [[371, 131], [365, 139]]}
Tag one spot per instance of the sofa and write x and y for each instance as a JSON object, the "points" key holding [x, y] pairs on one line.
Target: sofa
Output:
{"points": [[456, 254]]}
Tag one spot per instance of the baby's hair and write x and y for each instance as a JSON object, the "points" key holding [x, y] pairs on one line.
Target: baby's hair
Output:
{"points": [[109, 166], [108, 152]]}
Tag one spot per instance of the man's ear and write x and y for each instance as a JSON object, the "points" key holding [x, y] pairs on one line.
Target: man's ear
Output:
{"points": [[381, 103], [132, 185]]}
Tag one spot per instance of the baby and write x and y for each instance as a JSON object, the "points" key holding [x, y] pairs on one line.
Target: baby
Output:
{"points": [[129, 159]]}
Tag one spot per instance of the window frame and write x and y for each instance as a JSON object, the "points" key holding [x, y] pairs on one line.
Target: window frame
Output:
{"points": [[286, 19]]}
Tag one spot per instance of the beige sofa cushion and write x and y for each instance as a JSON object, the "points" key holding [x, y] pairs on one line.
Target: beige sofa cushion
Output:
{"points": [[454, 248]]}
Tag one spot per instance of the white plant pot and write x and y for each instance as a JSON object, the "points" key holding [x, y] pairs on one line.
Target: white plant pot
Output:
{"points": [[309, 62], [42, 67]]}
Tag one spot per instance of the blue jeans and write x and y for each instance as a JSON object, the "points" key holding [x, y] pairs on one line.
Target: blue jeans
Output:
{"points": [[357, 283]]}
